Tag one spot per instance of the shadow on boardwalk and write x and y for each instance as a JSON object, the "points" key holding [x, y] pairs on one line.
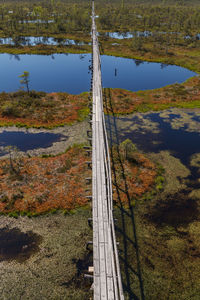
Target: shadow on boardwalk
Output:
{"points": [[126, 225]]}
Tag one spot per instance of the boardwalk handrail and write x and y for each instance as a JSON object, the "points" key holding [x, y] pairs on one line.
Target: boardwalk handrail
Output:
{"points": [[107, 276]]}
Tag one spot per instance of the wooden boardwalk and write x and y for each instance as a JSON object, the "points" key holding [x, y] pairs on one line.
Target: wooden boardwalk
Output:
{"points": [[107, 278]]}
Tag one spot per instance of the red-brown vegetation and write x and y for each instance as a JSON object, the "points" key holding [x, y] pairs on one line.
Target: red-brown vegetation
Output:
{"points": [[137, 176], [176, 95], [42, 184], [39, 109]]}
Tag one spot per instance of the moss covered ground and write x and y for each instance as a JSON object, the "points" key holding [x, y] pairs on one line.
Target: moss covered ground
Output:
{"points": [[39, 109], [53, 265], [185, 95], [159, 235]]}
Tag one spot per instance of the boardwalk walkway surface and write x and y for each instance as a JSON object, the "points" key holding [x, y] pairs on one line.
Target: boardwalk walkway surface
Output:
{"points": [[107, 278]]}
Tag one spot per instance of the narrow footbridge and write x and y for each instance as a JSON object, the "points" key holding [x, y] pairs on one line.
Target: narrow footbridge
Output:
{"points": [[106, 275]]}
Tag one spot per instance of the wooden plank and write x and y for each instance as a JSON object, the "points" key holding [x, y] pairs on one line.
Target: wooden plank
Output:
{"points": [[104, 256]]}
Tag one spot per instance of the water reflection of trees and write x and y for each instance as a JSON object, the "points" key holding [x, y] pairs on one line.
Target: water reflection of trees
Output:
{"points": [[34, 41], [82, 56], [15, 56], [138, 62], [163, 66], [59, 41]]}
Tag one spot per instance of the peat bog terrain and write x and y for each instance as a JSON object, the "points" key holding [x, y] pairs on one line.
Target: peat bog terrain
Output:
{"points": [[151, 83]]}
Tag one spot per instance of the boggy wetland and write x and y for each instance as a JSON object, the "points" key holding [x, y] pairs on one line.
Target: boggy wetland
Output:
{"points": [[151, 90]]}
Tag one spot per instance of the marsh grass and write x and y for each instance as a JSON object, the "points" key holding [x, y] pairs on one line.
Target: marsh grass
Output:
{"points": [[159, 238], [185, 95], [44, 49], [158, 232], [62, 244], [39, 109]]}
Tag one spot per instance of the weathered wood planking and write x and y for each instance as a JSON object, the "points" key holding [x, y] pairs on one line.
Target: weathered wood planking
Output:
{"points": [[107, 278]]}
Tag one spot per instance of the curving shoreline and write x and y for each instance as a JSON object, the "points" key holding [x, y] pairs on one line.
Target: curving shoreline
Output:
{"points": [[180, 56], [70, 135]]}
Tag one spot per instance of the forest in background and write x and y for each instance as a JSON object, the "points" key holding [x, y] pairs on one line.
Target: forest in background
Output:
{"points": [[168, 270], [53, 17]]}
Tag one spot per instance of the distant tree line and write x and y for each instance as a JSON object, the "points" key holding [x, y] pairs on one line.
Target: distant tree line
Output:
{"points": [[43, 17], [150, 17], [64, 16]]}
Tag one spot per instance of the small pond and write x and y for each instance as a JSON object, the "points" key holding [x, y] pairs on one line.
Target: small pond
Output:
{"points": [[70, 73], [172, 138], [25, 141], [129, 35], [175, 130], [125, 35], [41, 141], [17, 245], [36, 21], [33, 41]]}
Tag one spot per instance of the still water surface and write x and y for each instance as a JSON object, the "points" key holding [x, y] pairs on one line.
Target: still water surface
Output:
{"points": [[70, 73], [177, 131], [27, 141], [129, 35], [38, 40]]}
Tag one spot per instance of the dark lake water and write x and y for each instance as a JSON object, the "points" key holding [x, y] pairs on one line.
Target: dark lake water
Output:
{"points": [[70, 73], [181, 142], [176, 131], [27, 141]]}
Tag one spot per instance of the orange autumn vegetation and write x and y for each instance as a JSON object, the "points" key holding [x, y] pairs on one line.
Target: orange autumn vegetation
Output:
{"points": [[139, 175], [42, 184], [39, 185], [176, 95], [39, 109]]}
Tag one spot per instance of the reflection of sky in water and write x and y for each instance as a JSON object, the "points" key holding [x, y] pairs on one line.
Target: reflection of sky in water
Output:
{"points": [[27, 141], [70, 73], [128, 35], [33, 41], [37, 21], [138, 75], [152, 132]]}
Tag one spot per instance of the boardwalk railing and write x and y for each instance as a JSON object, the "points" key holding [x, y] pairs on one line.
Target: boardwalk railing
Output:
{"points": [[107, 277]]}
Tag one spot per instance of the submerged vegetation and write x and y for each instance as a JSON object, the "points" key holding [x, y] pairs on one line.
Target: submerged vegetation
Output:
{"points": [[31, 248], [158, 232], [168, 254]]}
